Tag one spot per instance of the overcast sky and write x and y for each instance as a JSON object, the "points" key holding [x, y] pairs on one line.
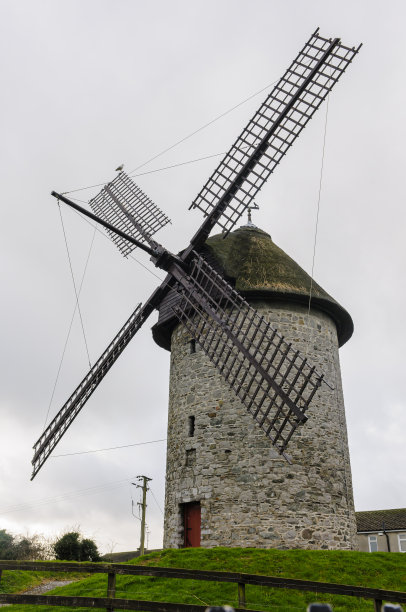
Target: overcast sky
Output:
{"points": [[90, 84]]}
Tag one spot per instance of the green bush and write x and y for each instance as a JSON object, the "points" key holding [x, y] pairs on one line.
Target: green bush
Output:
{"points": [[71, 547]]}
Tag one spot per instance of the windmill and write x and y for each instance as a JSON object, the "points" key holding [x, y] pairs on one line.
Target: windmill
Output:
{"points": [[268, 375]]}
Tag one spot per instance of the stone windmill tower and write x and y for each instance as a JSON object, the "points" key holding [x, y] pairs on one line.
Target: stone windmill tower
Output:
{"points": [[225, 486], [247, 370]]}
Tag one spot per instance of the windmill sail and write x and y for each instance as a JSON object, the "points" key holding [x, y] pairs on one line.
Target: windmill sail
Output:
{"points": [[69, 411], [122, 204], [273, 381], [272, 130]]}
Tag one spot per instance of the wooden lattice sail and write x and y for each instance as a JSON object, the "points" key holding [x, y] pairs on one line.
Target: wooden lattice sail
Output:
{"points": [[269, 375]]}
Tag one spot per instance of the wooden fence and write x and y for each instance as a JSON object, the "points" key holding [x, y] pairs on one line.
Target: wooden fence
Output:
{"points": [[110, 602]]}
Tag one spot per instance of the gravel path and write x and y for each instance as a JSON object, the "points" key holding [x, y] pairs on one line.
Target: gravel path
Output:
{"points": [[47, 586], [43, 588]]}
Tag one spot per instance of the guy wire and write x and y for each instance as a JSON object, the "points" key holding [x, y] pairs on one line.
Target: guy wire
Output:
{"points": [[74, 286], [203, 127], [183, 139], [69, 330], [318, 205]]}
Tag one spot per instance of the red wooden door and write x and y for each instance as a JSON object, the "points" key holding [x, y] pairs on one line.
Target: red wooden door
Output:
{"points": [[192, 524]]}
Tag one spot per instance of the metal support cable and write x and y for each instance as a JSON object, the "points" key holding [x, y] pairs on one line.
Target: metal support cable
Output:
{"points": [[75, 288], [69, 330], [340, 415], [203, 127], [131, 256], [182, 140], [70, 324], [177, 165], [318, 204]]}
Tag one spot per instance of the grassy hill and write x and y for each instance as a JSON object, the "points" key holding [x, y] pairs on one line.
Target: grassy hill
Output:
{"points": [[378, 570], [18, 581]]}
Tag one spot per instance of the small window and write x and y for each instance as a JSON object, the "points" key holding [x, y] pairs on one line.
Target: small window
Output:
{"points": [[402, 542], [192, 345], [191, 457], [191, 426], [373, 543]]}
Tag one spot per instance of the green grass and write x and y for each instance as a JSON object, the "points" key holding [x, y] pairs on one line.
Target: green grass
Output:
{"points": [[17, 581], [379, 570]]}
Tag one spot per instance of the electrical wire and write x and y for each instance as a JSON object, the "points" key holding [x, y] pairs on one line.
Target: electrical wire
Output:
{"points": [[100, 450], [45, 501], [156, 501]]}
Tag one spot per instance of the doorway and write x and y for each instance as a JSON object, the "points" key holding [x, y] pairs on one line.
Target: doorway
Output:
{"points": [[191, 522]]}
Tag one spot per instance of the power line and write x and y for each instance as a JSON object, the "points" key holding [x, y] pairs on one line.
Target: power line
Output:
{"points": [[45, 501], [100, 450], [156, 501]]}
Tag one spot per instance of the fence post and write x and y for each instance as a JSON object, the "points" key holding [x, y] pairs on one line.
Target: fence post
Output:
{"points": [[111, 588], [241, 595], [377, 605]]}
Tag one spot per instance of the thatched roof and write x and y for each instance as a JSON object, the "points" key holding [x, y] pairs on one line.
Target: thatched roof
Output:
{"points": [[259, 269]]}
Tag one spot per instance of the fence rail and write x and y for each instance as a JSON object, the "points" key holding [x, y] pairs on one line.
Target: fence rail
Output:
{"points": [[113, 569]]}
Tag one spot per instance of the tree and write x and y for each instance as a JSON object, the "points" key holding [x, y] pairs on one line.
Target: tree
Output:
{"points": [[71, 547], [6, 545], [23, 548], [67, 548], [89, 551], [32, 548]]}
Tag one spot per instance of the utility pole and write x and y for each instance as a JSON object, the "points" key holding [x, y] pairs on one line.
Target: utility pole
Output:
{"points": [[143, 505]]}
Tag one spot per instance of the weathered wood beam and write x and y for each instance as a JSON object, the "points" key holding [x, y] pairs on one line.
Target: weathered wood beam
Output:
{"points": [[104, 602], [214, 576]]}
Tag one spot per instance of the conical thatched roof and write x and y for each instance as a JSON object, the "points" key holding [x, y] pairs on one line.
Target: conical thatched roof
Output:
{"points": [[259, 269]]}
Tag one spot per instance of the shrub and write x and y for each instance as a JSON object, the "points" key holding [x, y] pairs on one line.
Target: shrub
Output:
{"points": [[23, 548], [71, 547]]}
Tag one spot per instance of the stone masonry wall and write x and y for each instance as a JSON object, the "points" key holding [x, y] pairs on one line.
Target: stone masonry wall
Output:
{"points": [[249, 495]]}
